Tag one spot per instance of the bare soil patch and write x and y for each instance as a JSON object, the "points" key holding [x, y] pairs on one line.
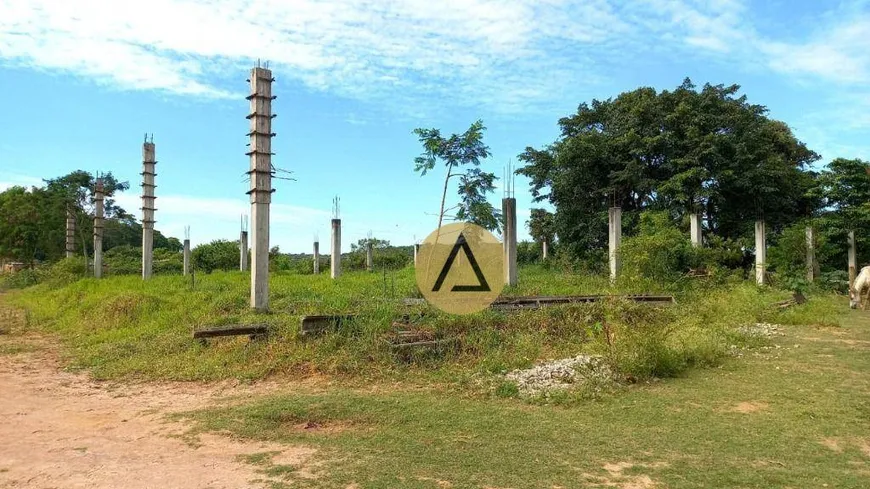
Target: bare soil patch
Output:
{"points": [[749, 407], [62, 430]]}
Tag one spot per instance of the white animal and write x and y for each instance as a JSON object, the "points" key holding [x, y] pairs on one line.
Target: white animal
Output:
{"points": [[859, 293]]}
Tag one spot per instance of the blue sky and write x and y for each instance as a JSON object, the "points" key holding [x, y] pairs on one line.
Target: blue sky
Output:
{"points": [[82, 81]]}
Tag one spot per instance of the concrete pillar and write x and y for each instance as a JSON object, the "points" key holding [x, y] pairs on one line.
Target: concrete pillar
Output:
{"points": [[148, 174], [261, 182], [243, 251], [316, 257], [370, 258], [760, 252], [614, 241], [335, 265], [811, 254], [695, 231], [98, 229], [544, 249], [186, 255], [509, 211], [416, 252], [70, 232], [853, 259]]}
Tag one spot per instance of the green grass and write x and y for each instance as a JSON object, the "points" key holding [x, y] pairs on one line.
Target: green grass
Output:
{"points": [[807, 406], [123, 327]]}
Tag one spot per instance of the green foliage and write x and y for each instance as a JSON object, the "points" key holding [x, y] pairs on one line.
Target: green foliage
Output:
{"points": [[660, 252], [457, 151], [542, 226], [681, 151], [844, 187], [217, 255]]}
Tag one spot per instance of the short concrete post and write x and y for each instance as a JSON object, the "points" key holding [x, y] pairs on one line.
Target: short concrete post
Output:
{"points": [[696, 230], [544, 250], [316, 257], [148, 174], [186, 256], [370, 259], [261, 182], [509, 210], [98, 228], [614, 241], [853, 259], [416, 252], [243, 251], [70, 232], [811, 254], [335, 266], [760, 252]]}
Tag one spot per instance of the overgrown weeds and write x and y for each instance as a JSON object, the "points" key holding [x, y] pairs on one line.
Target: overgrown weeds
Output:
{"points": [[124, 327]]}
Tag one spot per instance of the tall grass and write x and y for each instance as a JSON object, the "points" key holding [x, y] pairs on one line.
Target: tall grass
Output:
{"points": [[126, 327]]}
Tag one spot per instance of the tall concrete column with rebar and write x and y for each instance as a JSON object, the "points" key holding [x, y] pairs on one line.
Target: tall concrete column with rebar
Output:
{"points": [[614, 240], [261, 182], [544, 250], [99, 194], [416, 252], [316, 257], [335, 265], [243, 251], [148, 208], [186, 256], [811, 254], [370, 257], [695, 230], [853, 259], [70, 232], [509, 211], [760, 252]]}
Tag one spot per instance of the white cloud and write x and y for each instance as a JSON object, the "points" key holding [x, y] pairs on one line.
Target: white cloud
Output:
{"points": [[499, 53], [510, 56], [840, 52]]}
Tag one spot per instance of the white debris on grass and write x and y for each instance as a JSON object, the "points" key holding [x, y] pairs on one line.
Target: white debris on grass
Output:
{"points": [[561, 374], [766, 330]]}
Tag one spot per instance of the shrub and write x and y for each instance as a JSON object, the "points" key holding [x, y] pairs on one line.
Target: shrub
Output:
{"points": [[660, 252], [217, 255]]}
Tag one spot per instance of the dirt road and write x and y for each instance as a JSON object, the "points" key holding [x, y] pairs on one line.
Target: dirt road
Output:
{"points": [[62, 430]]}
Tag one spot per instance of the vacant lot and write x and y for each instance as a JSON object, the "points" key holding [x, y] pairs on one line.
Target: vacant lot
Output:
{"points": [[730, 410]]}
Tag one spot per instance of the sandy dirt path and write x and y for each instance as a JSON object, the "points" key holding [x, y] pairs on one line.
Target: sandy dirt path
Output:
{"points": [[61, 430]]}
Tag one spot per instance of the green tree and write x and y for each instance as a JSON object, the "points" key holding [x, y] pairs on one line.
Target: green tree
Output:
{"points": [[679, 151], [458, 152], [217, 255], [844, 189], [541, 226]]}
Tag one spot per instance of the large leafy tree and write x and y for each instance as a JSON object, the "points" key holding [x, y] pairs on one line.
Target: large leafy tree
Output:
{"points": [[680, 151], [541, 226], [844, 189], [75, 192], [461, 154]]}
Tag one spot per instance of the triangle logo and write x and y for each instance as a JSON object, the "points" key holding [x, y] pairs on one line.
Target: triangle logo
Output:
{"points": [[462, 244]]}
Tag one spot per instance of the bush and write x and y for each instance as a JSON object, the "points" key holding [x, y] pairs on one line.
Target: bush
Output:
{"points": [[217, 255], [660, 252]]}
